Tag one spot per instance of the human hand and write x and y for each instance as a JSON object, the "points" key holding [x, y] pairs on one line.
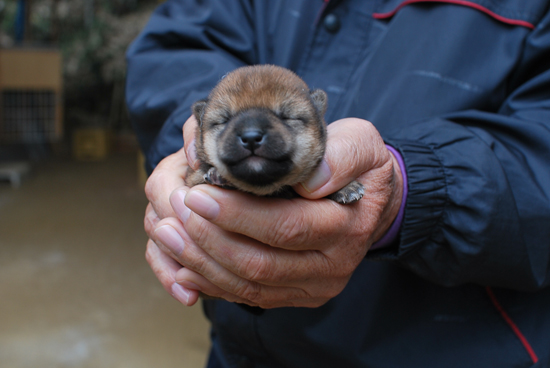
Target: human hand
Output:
{"points": [[168, 176], [274, 252]]}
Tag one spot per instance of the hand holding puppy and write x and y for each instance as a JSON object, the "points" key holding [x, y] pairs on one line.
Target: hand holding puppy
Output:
{"points": [[272, 252]]}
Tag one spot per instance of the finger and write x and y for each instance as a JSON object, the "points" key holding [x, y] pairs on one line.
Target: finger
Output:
{"points": [[354, 147], [173, 237], [165, 269], [150, 220], [253, 260], [189, 134], [192, 280], [151, 225], [265, 297], [216, 280], [297, 224], [220, 281], [261, 268], [167, 176], [188, 278]]}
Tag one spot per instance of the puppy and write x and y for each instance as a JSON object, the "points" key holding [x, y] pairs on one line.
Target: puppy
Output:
{"points": [[261, 130]]}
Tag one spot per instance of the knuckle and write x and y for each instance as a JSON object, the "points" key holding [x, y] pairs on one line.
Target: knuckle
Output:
{"points": [[150, 220], [195, 258], [257, 267], [199, 231], [148, 256], [249, 291], [339, 268], [148, 226], [290, 232], [150, 251], [150, 186], [155, 182], [161, 273], [198, 262]]}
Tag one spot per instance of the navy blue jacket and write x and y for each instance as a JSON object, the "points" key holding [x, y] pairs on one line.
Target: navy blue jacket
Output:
{"points": [[462, 90]]}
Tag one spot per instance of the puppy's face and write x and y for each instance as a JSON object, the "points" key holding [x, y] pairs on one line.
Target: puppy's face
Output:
{"points": [[262, 128]]}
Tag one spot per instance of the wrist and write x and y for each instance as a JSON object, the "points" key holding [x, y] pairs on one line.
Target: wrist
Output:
{"points": [[398, 201]]}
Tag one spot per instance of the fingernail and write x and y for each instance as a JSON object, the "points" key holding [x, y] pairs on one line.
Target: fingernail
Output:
{"points": [[171, 239], [202, 204], [177, 199], [320, 177], [191, 154], [180, 293]]}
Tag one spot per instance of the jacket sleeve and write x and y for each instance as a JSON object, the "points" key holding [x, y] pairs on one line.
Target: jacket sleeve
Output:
{"points": [[184, 50], [478, 209]]}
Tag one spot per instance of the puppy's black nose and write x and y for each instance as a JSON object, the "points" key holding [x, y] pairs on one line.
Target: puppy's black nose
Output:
{"points": [[251, 139]]}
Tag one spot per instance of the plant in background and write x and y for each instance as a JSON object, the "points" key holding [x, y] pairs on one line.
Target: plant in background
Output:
{"points": [[92, 36]]}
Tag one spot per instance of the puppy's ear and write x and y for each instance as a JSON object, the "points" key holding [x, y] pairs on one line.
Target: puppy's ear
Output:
{"points": [[320, 101], [198, 110]]}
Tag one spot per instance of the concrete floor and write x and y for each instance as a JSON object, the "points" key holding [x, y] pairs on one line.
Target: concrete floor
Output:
{"points": [[75, 290]]}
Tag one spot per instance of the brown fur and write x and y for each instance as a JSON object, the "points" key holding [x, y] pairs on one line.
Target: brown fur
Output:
{"points": [[261, 129]]}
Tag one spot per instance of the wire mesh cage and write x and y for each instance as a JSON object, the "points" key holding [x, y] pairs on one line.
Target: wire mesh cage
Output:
{"points": [[30, 96], [28, 116]]}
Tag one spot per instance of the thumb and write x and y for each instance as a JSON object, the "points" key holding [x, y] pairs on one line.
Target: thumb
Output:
{"points": [[354, 147], [189, 131]]}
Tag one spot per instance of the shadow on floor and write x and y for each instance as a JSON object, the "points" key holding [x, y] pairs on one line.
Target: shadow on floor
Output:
{"points": [[75, 290]]}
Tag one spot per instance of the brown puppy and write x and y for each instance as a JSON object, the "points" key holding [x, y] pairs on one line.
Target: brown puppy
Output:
{"points": [[261, 130]]}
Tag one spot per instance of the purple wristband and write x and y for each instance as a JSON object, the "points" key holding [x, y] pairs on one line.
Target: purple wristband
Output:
{"points": [[393, 231]]}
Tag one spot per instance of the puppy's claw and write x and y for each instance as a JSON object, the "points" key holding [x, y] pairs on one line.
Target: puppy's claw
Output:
{"points": [[352, 192]]}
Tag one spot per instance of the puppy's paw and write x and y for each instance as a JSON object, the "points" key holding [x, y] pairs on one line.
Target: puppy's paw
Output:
{"points": [[352, 192], [213, 177]]}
